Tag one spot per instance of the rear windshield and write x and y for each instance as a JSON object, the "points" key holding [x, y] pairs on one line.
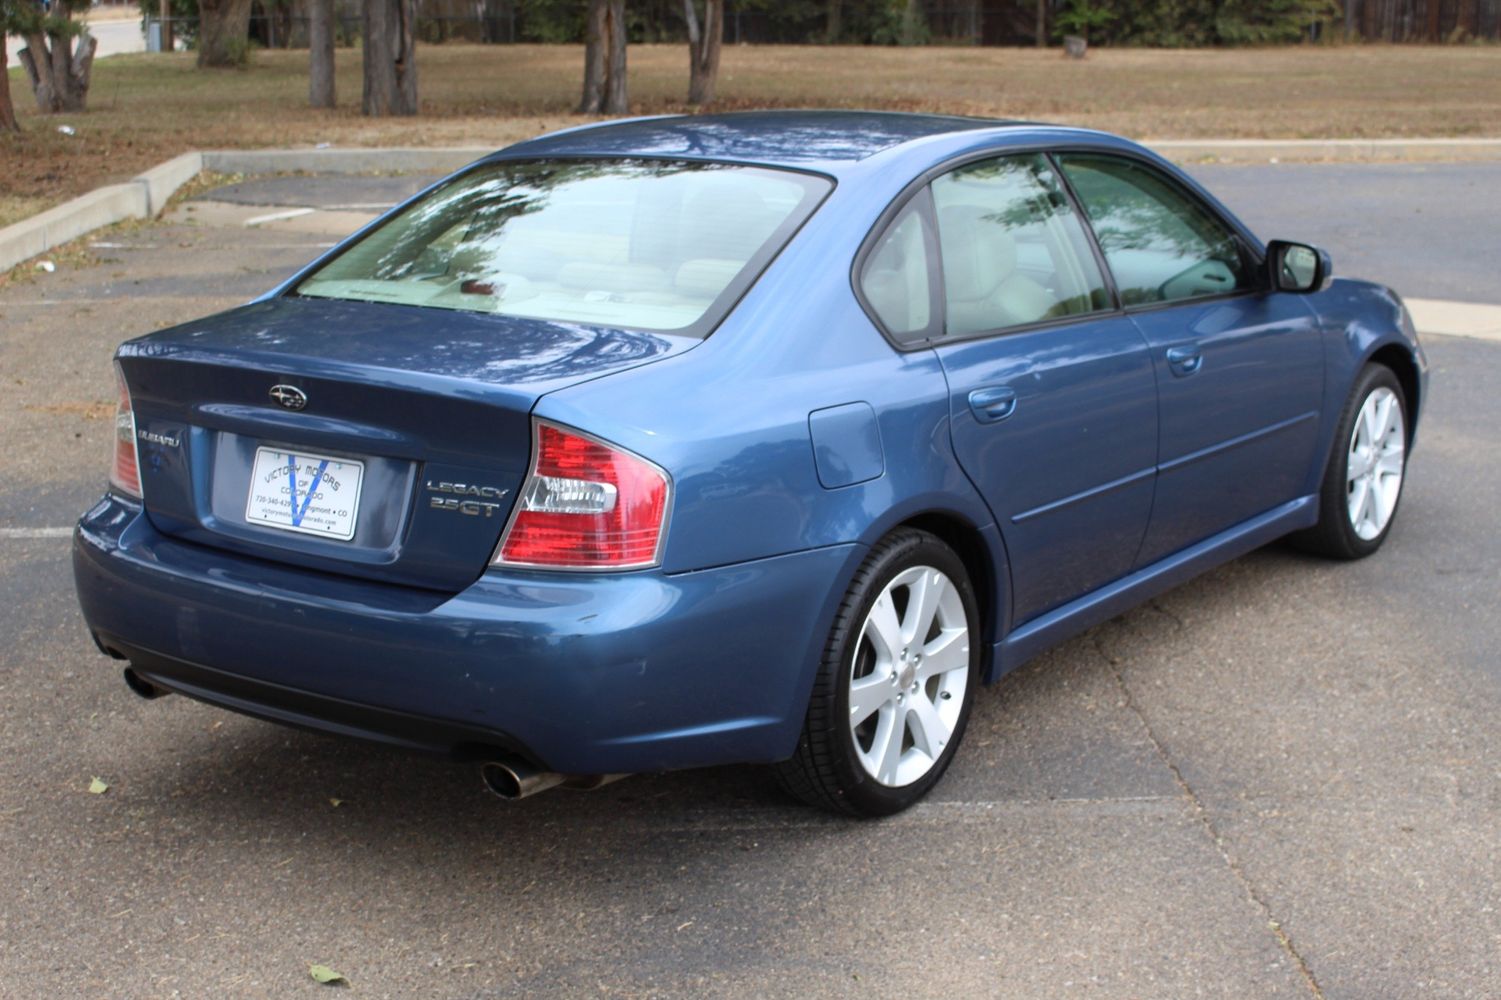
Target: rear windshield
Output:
{"points": [[655, 245]]}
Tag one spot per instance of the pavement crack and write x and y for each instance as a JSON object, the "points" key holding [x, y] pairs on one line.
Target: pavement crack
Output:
{"points": [[1201, 813], [1166, 612]]}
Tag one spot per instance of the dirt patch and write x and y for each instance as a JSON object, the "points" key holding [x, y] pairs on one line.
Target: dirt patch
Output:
{"points": [[97, 410]]}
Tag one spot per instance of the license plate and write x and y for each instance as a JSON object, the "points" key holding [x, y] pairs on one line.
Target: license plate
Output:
{"points": [[296, 491]]}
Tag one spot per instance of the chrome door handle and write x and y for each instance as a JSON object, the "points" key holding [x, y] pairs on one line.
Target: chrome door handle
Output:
{"points": [[993, 403], [1184, 360]]}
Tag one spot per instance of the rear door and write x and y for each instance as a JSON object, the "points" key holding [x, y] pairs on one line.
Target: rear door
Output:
{"points": [[1052, 400], [1239, 367]]}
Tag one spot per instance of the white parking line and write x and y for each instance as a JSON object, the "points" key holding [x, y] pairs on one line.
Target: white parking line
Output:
{"points": [[290, 213], [17, 533], [1457, 319]]}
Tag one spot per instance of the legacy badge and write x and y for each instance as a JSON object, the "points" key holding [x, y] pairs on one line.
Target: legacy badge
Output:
{"points": [[450, 493]]}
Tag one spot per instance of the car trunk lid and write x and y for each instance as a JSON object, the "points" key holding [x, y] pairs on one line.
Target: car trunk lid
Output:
{"points": [[359, 438]]}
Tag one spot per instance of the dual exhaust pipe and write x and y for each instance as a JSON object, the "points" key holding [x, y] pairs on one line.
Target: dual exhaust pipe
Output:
{"points": [[510, 778]]}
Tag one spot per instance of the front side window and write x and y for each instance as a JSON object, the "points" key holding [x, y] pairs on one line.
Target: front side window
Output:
{"points": [[1160, 243], [1014, 252], [654, 245]]}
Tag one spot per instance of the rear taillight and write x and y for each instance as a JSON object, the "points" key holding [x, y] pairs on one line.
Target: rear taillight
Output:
{"points": [[124, 472], [586, 505]]}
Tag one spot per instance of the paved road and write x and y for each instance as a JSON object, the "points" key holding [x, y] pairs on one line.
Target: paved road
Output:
{"points": [[1278, 781], [1430, 230]]}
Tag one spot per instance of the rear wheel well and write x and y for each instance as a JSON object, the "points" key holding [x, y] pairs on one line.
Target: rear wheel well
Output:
{"points": [[967, 543], [1400, 362]]}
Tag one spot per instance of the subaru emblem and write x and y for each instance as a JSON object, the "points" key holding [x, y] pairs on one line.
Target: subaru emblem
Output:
{"points": [[289, 396]]}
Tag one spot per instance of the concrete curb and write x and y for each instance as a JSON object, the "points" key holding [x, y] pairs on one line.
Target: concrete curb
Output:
{"points": [[162, 181], [146, 195], [343, 161], [70, 220], [138, 198], [1456, 319]]}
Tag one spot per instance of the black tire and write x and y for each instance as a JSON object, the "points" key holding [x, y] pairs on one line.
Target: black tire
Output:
{"points": [[826, 770], [1334, 536]]}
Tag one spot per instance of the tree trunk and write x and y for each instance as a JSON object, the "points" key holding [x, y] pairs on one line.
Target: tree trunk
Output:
{"points": [[223, 32], [498, 17], [593, 99], [8, 121], [604, 59], [390, 57], [320, 40], [832, 25], [703, 50], [914, 28], [1042, 23], [616, 102], [59, 71], [164, 12]]}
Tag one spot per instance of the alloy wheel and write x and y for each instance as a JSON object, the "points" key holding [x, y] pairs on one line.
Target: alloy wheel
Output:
{"points": [[1378, 446], [908, 676]]}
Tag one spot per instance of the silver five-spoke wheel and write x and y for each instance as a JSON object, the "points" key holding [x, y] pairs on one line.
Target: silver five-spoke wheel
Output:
{"points": [[908, 676], [1378, 445]]}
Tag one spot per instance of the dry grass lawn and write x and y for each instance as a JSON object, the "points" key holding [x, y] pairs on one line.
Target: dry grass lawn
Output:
{"points": [[146, 108]]}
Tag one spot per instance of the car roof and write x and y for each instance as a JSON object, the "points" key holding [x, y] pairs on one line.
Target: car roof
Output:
{"points": [[808, 139]]}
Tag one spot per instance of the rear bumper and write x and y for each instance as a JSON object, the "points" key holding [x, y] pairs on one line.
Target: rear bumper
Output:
{"points": [[584, 674]]}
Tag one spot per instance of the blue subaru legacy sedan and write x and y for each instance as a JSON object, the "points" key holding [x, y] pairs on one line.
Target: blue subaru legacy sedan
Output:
{"points": [[762, 437]]}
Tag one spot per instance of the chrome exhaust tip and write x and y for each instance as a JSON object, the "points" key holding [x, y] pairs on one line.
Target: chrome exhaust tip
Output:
{"points": [[511, 779], [142, 686]]}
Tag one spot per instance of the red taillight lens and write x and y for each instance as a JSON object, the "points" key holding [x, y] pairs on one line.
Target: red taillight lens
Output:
{"points": [[586, 505], [124, 473]]}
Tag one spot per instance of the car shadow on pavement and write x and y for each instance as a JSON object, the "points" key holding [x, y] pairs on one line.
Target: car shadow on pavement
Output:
{"points": [[1053, 729]]}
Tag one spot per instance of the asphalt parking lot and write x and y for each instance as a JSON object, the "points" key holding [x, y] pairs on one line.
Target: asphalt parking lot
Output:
{"points": [[1281, 780]]}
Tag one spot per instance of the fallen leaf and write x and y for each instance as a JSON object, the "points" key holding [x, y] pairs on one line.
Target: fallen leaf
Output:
{"points": [[327, 976], [336, 803], [97, 787]]}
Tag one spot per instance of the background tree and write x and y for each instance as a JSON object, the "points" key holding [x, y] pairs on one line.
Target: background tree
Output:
{"points": [[390, 57], [1080, 16], [320, 40], [914, 29], [59, 52], [703, 49], [604, 59], [223, 32], [8, 121]]}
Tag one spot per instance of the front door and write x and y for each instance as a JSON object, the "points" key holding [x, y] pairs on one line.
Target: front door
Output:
{"points": [[1239, 367]]}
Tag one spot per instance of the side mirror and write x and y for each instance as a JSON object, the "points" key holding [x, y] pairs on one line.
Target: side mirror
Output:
{"points": [[1297, 267]]}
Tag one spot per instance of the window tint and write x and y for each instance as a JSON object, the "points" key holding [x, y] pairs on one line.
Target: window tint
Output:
{"points": [[654, 244], [896, 279], [1160, 243], [1013, 250]]}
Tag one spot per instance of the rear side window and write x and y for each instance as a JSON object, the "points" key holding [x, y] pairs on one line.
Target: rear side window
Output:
{"points": [[1162, 245], [1014, 252], [656, 245], [897, 279]]}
